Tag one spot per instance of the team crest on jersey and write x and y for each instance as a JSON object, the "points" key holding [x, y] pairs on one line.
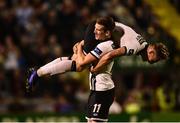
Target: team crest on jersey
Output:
{"points": [[98, 51]]}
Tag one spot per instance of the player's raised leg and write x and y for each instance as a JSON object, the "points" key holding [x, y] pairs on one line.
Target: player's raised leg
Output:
{"points": [[57, 66]]}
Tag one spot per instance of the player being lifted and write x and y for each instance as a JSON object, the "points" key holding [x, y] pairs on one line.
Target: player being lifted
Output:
{"points": [[130, 43]]}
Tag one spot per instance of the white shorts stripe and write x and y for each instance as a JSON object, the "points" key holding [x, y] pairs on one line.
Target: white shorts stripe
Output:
{"points": [[99, 119]]}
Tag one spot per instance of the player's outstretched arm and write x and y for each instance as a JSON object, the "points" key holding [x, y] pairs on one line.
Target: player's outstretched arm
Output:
{"points": [[108, 57]]}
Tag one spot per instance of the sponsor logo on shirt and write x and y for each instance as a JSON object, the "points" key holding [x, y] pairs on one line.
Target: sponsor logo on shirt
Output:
{"points": [[97, 51]]}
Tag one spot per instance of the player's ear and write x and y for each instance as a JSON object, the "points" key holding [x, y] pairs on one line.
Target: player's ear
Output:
{"points": [[107, 33]]}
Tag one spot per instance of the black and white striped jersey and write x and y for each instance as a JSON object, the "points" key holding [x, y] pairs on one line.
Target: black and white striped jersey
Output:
{"points": [[102, 81]]}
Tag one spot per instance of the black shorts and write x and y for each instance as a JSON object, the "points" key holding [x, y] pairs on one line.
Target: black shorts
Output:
{"points": [[98, 105]]}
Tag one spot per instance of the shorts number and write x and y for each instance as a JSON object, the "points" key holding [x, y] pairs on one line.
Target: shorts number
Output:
{"points": [[96, 108]]}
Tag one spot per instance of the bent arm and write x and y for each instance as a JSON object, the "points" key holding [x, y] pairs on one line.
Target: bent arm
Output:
{"points": [[107, 58], [82, 60]]}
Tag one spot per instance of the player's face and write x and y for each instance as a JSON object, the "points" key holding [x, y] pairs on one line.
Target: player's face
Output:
{"points": [[99, 32], [152, 55]]}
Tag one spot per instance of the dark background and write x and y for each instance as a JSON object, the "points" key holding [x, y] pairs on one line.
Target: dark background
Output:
{"points": [[34, 32]]}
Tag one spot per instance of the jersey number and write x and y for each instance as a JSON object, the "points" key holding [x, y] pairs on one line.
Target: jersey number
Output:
{"points": [[96, 108], [131, 51], [140, 39]]}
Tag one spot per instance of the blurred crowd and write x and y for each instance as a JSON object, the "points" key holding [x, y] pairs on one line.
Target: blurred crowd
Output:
{"points": [[34, 32], [176, 4]]}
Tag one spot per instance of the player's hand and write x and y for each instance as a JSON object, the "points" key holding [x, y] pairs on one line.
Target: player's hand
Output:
{"points": [[78, 44], [82, 43], [75, 47], [92, 69]]}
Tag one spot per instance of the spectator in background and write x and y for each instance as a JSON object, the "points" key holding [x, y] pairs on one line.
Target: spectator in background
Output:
{"points": [[52, 22], [82, 97], [23, 13], [33, 28], [2, 54], [12, 54], [176, 3], [115, 108], [55, 48], [63, 105], [165, 95], [18, 84], [5, 86], [134, 102], [46, 104], [67, 12]]}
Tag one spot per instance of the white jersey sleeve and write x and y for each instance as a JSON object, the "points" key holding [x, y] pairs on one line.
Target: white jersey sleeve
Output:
{"points": [[102, 48]]}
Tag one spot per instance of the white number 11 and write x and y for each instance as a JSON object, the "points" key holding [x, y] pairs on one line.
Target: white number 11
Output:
{"points": [[96, 107]]}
